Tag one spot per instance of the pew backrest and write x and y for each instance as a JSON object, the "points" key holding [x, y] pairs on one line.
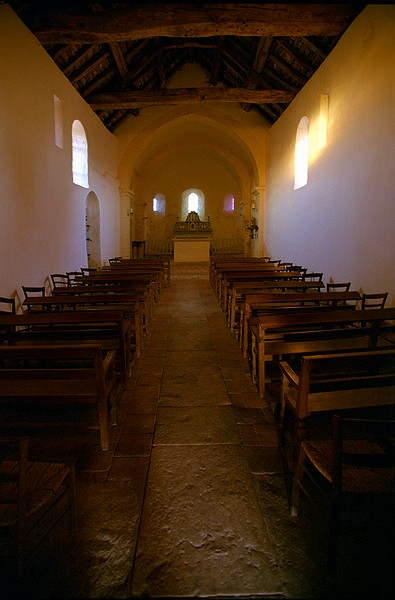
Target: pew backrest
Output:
{"points": [[339, 381], [39, 385]]}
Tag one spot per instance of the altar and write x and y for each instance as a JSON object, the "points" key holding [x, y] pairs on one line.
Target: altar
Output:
{"points": [[187, 250], [192, 239]]}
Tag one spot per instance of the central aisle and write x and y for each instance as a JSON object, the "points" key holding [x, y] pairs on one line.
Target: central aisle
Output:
{"points": [[202, 532]]}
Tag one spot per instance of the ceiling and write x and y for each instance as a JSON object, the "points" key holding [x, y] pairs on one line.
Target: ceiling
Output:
{"points": [[120, 56]]}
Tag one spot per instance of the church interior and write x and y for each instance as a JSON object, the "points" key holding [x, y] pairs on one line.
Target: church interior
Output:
{"points": [[195, 158]]}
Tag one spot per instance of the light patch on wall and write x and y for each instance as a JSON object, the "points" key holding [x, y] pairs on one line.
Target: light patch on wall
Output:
{"points": [[57, 109], [301, 166], [323, 121]]}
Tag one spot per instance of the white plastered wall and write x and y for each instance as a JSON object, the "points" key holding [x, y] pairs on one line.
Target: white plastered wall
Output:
{"points": [[342, 222], [42, 213]]}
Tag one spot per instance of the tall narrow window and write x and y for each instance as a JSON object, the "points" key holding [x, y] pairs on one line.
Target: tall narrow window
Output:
{"points": [[301, 154], [80, 155], [193, 202], [158, 203], [229, 204], [57, 109], [323, 121]]}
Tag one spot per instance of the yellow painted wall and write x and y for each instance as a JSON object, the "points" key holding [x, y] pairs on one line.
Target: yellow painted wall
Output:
{"points": [[42, 223], [216, 148], [342, 222]]}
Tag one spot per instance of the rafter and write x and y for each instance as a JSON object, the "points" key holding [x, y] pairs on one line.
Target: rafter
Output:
{"points": [[194, 20], [119, 59]]}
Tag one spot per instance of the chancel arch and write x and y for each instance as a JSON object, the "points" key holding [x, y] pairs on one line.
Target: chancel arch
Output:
{"points": [[192, 152]]}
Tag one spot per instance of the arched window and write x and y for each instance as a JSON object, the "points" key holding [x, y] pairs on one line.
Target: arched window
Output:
{"points": [[229, 204], [80, 155], [158, 203], [301, 154], [193, 201]]}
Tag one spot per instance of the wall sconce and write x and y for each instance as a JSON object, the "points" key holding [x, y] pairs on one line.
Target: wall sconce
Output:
{"points": [[253, 228], [253, 205]]}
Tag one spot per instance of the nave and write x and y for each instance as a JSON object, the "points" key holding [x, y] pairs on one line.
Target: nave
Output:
{"points": [[191, 498]]}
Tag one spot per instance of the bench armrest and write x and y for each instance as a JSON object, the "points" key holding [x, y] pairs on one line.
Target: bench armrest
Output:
{"points": [[108, 360], [289, 373]]}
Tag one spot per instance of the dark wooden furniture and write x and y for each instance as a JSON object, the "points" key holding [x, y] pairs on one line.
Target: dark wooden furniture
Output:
{"points": [[357, 459], [40, 385], [131, 305], [272, 332], [105, 327], [29, 492]]}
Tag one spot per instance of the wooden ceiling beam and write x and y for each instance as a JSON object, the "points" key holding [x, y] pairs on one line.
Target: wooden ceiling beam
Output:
{"points": [[119, 59], [193, 20], [127, 100]]}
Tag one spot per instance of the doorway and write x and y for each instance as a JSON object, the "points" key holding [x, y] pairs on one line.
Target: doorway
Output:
{"points": [[92, 220]]}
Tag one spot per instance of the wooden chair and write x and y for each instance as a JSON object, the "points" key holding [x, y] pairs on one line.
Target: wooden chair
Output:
{"points": [[338, 287], [28, 492], [30, 291], [87, 270], [71, 275], [359, 459], [59, 279], [303, 270], [7, 306], [374, 300], [312, 276]]}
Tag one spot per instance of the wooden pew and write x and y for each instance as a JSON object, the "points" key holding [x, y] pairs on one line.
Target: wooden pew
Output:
{"points": [[217, 262], [155, 271], [109, 328], [237, 290], [163, 263], [324, 331], [323, 383], [219, 271], [114, 278], [130, 305], [231, 277], [253, 303], [41, 385]]}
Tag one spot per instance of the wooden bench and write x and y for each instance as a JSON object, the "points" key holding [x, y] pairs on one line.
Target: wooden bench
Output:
{"points": [[262, 274], [41, 386], [109, 328], [218, 263], [144, 291], [218, 272], [324, 383], [130, 304], [237, 290], [251, 304], [161, 263], [113, 278], [277, 334]]}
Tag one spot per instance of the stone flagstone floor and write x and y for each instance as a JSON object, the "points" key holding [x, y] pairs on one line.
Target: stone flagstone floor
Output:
{"points": [[191, 499]]}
